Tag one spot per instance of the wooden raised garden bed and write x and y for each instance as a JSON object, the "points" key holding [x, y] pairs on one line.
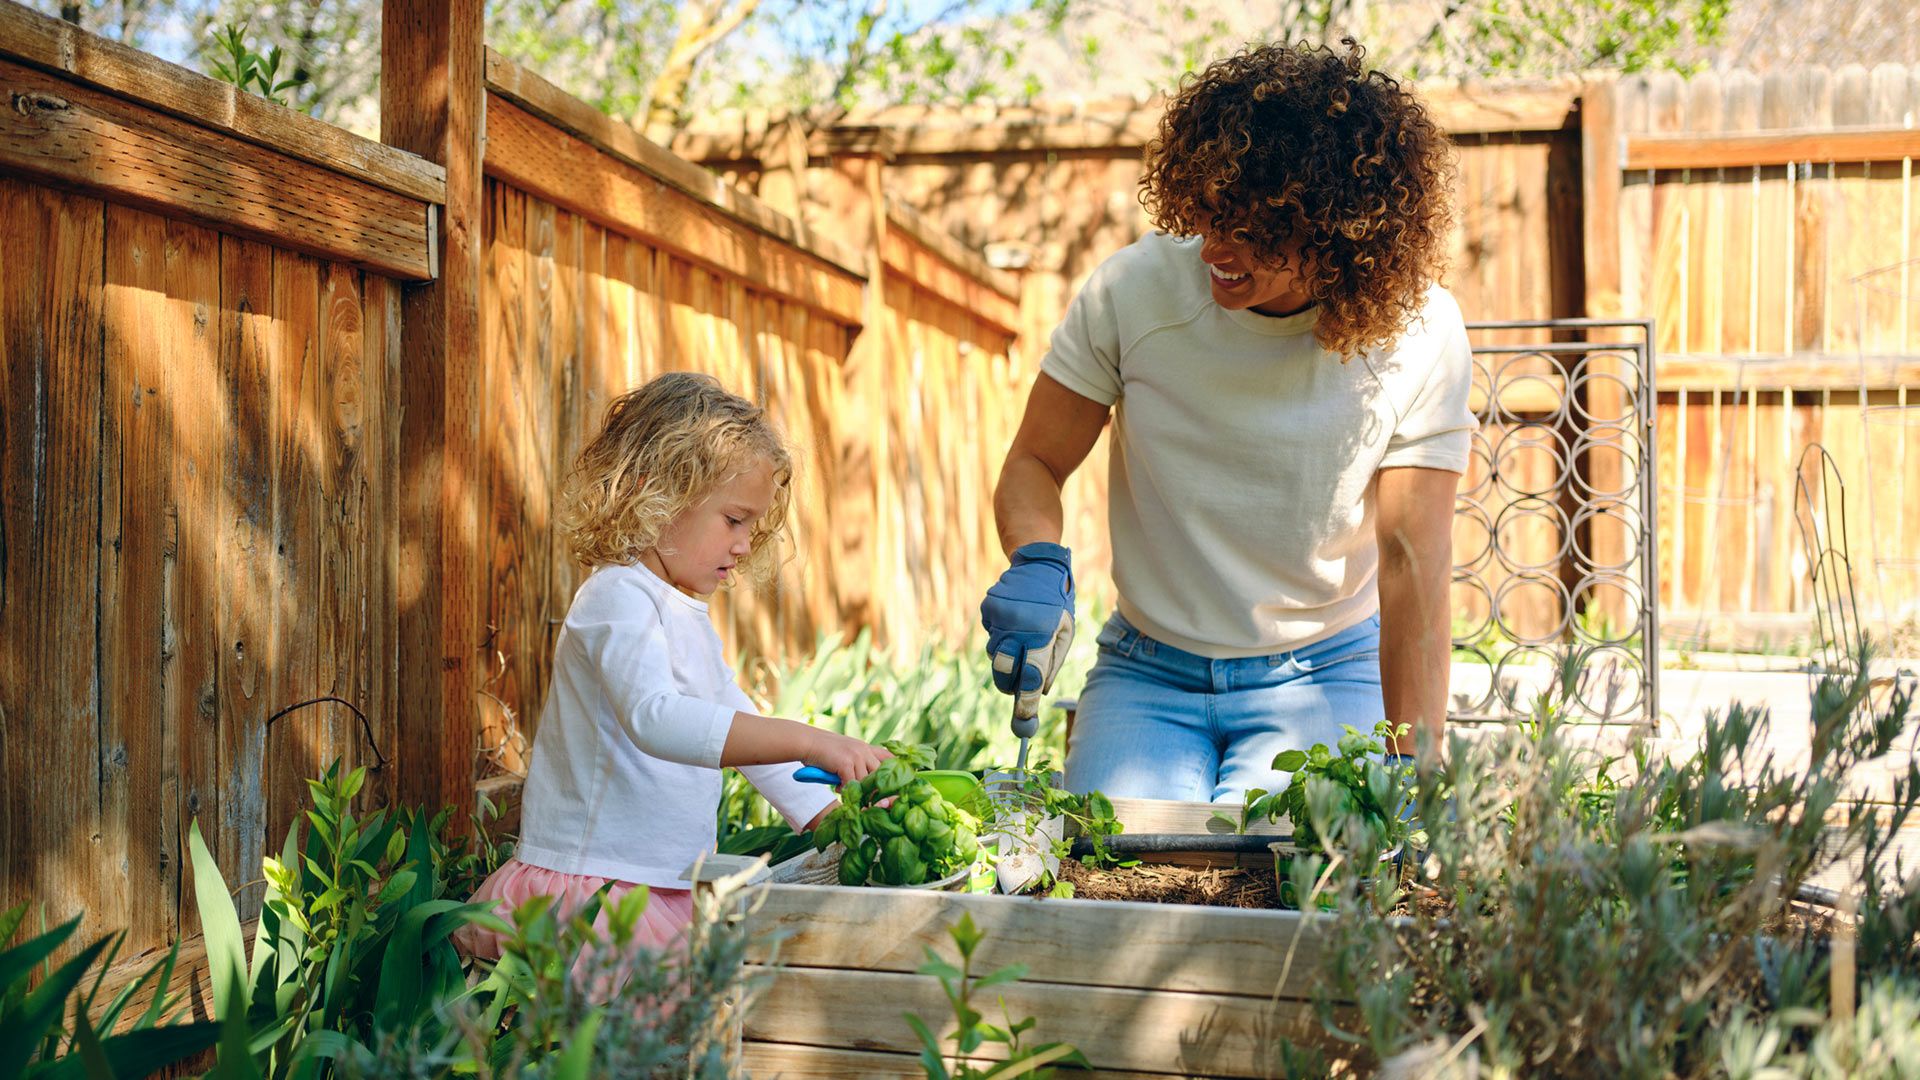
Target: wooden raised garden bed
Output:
{"points": [[1143, 989]]}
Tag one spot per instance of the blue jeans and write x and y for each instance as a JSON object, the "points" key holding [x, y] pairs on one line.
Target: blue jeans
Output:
{"points": [[1156, 722]]}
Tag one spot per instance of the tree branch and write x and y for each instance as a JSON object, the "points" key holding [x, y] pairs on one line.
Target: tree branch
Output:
{"points": [[702, 26]]}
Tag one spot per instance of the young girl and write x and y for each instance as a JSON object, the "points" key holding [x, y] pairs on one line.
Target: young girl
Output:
{"points": [[684, 489]]}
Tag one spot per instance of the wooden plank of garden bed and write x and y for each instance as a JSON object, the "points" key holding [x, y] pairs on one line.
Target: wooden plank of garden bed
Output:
{"points": [[1189, 1034], [795, 1062], [62, 133], [1166, 946], [1194, 818], [1167, 816]]}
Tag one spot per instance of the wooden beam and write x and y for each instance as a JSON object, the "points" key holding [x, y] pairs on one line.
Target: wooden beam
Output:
{"points": [[581, 120], [62, 133], [1170, 946], [1185, 818], [1189, 1034], [1805, 371], [1600, 199], [936, 263], [796, 1062], [1695, 151], [191, 984], [431, 103], [129, 74], [1123, 128], [1499, 109], [543, 160]]}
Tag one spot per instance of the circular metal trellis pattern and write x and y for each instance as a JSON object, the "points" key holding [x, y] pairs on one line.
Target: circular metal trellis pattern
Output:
{"points": [[1554, 523]]}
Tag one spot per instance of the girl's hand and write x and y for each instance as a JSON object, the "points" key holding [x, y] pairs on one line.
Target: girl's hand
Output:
{"points": [[843, 755]]}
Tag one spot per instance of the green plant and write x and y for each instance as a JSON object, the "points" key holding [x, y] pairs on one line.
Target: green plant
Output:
{"points": [[1024, 799], [1574, 923], [1332, 791], [916, 837], [579, 995], [971, 1030], [35, 1041], [236, 63], [939, 696], [353, 937]]}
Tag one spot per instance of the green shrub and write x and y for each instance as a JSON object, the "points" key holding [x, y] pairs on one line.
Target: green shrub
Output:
{"points": [[36, 1040], [972, 1029], [352, 971], [1580, 925], [942, 697]]}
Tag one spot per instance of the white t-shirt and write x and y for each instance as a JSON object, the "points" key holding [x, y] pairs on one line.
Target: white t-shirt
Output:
{"points": [[1241, 492], [625, 777]]}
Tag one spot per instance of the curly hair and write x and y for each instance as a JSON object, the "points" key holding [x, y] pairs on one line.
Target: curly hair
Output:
{"points": [[664, 447], [1285, 148]]}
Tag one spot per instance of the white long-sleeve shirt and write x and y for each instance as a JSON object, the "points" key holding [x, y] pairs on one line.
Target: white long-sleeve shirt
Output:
{"points": [[625, 777]]}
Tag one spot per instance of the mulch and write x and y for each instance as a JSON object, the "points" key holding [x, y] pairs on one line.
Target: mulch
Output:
{"points": [[1160, 883], [1166, 884]]}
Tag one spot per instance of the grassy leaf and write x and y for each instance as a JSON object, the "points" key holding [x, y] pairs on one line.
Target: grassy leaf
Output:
{"points": [[140, 1053], [17, 962], [401, 966], [42, 1009], [576, 1063], [93, 1058]]}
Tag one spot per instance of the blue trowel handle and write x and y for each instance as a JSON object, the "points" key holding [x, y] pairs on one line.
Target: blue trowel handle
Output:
{"points": [[813, 774]]}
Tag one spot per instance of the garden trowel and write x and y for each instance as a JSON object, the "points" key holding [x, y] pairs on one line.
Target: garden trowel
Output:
{"points": [[1023, 841]]}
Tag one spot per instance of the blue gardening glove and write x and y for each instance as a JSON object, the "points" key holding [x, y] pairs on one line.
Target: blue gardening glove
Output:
{"points": [[1029, 619]]}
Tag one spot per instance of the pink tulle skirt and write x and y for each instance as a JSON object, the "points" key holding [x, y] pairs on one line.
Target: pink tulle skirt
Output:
{"points": [[664, 922]]}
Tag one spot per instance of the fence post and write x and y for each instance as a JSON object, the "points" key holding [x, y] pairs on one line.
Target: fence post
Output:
{"points": [[1600, 198], [855, 192], [1606, 398], [433, 103]]}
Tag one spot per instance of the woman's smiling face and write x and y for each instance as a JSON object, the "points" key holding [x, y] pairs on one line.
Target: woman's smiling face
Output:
{"points": [[1240, 284]]}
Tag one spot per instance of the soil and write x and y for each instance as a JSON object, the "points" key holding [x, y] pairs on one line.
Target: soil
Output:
{"points": [[1166, 884], [1160, 883]]}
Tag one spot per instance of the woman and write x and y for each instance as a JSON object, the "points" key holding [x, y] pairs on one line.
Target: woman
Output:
{"points": [[1288, 390]]}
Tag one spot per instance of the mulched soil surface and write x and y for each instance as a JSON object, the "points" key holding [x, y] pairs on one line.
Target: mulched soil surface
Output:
{"points": [[1164, 884]]}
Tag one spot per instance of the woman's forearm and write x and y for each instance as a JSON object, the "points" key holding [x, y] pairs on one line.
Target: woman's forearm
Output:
{"points": [[1026, 503], [1416, 648]]}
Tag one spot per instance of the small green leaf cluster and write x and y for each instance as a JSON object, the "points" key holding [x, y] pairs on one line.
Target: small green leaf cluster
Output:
{"points": [[235, 62], [971, 1029], [1334, 788], [896, 829]]}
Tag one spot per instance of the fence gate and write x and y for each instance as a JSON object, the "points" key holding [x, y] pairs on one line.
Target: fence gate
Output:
{"points": [[1555, 557]]}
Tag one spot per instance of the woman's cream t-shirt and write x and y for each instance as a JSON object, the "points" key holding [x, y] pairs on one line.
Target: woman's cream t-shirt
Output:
{"points": [[1241, 493]]}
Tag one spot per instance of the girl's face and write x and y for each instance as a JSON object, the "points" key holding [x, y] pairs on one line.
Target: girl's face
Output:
{"points": [[697, 550], [1240, 284]]}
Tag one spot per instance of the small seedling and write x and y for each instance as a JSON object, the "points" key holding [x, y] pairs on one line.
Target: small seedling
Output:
{"points": [[234, 62], [971, 1030]]}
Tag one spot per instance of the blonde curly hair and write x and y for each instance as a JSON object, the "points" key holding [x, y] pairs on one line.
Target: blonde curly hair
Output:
{"points": [[664, 447]]}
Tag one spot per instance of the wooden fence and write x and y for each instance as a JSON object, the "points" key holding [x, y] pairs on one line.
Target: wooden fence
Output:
{"points": [[199, 309], [288, 409], [607, 262], [1768, 226]]}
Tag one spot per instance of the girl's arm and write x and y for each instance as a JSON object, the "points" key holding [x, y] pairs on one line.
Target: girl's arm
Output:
{"points": [[1413, 523], [769, 740]]}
